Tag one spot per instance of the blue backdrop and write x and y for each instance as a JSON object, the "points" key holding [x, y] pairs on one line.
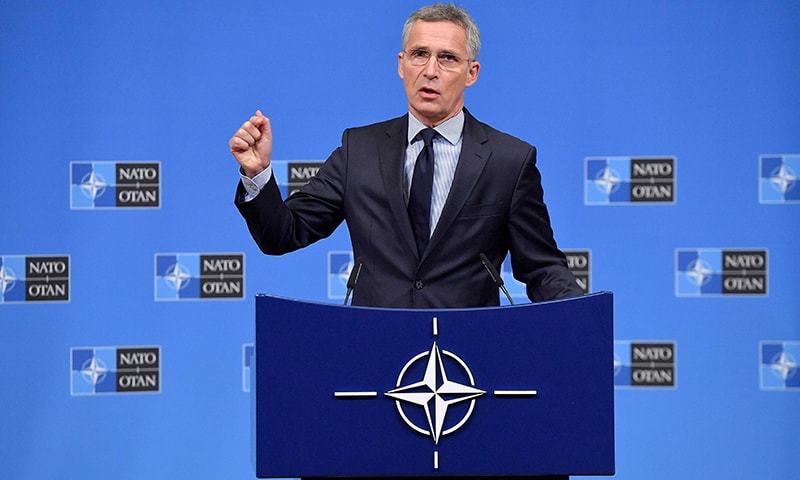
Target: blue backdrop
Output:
{"points": [[120, 374]]}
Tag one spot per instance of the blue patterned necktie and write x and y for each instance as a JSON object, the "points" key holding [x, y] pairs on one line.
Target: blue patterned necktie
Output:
{"points": [[419, 200]]}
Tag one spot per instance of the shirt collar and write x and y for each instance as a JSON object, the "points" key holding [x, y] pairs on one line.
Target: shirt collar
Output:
{"points": [[451, 129]]}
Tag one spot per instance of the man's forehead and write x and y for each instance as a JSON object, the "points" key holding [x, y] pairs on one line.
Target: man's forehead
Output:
{"points": [[444, 33]]}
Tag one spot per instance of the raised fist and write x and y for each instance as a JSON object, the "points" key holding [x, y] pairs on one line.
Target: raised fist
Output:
{"points": [[251, 145]]}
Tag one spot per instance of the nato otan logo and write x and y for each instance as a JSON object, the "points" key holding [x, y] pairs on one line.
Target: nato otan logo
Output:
{"points": [[34, 278], [199, 276], [340, 264], [115, 370], [578, 261], [777, 178], [109, 185], [644, 363], [629, 180], [780, 365], [248, 359], [701, 272], [290, 175]]}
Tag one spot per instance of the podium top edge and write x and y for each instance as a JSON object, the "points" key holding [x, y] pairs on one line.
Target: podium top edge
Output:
{"points": [[518, 305]]}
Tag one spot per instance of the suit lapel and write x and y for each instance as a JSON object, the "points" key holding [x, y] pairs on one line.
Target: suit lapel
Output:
{"points": [[474, 154], [391, 156]]}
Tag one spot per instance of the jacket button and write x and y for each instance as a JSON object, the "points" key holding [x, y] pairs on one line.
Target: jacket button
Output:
{"points": [[418, 284]]}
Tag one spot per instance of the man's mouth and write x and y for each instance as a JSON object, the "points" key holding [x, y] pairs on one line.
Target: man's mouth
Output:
{"points": [[427, 92]]}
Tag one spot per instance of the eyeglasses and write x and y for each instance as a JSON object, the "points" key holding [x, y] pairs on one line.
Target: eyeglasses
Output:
{"points": [[448, 61]]}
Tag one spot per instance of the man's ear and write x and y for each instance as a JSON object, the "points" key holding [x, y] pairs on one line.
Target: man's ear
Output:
{"points": [[472, 72], [400, 65]]}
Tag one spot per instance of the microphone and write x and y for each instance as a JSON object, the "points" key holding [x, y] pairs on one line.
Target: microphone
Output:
{"points": [[352, 280], [495, 276]]}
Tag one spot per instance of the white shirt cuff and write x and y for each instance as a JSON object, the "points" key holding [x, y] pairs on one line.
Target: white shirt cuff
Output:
{"points": [[253, 186]]}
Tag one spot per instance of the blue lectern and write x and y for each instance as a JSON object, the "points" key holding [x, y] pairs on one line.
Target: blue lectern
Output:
{"points": [[367, 392]]}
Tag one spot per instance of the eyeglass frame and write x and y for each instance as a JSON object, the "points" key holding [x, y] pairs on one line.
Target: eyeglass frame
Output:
{"points": [[458, 60]]}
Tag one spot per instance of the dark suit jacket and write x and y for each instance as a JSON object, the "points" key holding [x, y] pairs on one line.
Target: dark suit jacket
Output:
{"points": [[494, 206]]}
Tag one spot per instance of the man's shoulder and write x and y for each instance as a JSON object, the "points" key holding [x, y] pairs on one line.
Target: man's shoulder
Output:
{"points": [[497, 138], [379, 128]]}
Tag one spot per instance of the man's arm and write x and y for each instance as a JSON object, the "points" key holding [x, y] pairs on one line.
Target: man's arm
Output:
{"points": [[535, 258], [308, 215]]}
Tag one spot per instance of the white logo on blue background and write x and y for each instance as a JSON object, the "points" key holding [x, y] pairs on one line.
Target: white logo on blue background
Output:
{"points": [[89, 185], [780, 365], [96, 370], [248, 359], [434, 384], [778, 177], [629, 180], [111, 185], [177, 276], [699, 272], [93, 185], [644, 364], [607, 180], [34, 278], [340, 264], [715, 271], [199, 276]]}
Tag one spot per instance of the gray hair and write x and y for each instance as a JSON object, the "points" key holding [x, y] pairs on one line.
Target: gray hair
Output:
{"points": [[447, 12]]}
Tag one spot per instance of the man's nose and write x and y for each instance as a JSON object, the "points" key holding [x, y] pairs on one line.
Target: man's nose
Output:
{"points": [[432, 67]]}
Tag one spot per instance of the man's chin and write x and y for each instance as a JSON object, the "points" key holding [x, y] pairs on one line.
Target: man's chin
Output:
{"points": [[429, 115]]}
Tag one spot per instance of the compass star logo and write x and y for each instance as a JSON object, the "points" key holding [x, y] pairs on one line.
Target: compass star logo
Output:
{"points": [[783, 179], [699, 272], [94, 371], [178, 277], [7, 279], [784, 366], [435, 393], [780, 369], [93, 185], [608, 180]]}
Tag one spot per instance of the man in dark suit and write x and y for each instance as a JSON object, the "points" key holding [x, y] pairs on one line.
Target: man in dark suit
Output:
{"points": [[424, 194]]}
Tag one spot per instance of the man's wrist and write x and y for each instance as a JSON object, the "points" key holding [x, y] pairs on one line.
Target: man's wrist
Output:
{"points": [[253, 185], [253, 173]]}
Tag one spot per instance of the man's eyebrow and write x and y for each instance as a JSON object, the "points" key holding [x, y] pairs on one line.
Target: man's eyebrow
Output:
{"points": [[445, 51]]}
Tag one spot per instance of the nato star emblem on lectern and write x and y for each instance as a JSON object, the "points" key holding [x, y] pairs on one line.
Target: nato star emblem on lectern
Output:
{"points": [[435, 392]]}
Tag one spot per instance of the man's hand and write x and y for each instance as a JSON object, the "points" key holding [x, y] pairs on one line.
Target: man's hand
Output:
{"points": [[251, 145]]}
